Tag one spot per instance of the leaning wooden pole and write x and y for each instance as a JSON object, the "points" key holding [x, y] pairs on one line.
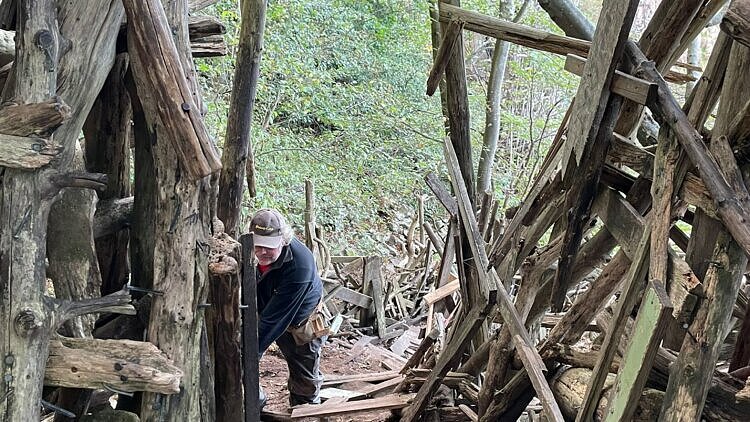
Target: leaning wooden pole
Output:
{"points": [[238, 151]]}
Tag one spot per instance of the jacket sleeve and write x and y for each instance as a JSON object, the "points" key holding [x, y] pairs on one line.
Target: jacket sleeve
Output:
{"points": [[278, 313]]}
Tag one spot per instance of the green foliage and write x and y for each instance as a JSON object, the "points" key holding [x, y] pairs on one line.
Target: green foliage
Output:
{"points": [[341, 102]]}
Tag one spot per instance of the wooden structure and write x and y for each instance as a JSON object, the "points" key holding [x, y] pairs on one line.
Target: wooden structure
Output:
{"points": [[610, 200]]}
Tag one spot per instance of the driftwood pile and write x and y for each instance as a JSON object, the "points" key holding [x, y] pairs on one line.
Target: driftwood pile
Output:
{"points": [[635, 234]]}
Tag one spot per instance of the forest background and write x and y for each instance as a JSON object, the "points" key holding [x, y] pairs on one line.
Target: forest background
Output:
{"points": [[341, 102]]}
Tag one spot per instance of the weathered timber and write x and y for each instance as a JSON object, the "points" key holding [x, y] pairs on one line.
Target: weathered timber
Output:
{"points": [[250, 354], [35, 119], [450, 36], [27, 195], [491, 283], [196, 5], [526, 36], [174, 260], [124, 365], [448, 360], [626, 224], [381, 403], [442, 194], [688, 389], [162, 76], [372, 273], [204, 26], [736, 21], [705, 17], [623, 84], [112, 215], [652, 320], [570, 387], [210, 46], [624, 152], [22, 152], [107, 150], [589, 132], [441, 292], [238, 160], [223, 317], [634, 280]]}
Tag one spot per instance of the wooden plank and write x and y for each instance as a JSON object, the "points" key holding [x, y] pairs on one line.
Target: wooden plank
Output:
{"points": [[653, 318], [250, 358], [370, 391], [623, 84], [348, 295], [373, 275], [442, 194], [382, 403], [338, 259], [450, 36], [472, 415], [634, 281], [591, 122], [736, 22], [442, 292], [367, 377]]}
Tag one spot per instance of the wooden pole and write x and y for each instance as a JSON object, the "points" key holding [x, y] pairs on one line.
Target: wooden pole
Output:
{"points": [[250, 354]]}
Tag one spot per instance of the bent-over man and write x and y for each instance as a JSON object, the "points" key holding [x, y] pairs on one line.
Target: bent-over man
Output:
{"points": [[289, 292]]}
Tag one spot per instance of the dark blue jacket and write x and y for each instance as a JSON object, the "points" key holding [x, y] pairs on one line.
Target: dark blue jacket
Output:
{"points": [[288, 292]]}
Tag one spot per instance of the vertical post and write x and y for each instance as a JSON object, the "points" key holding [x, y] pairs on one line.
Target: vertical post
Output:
{"points": [[250, 378]]}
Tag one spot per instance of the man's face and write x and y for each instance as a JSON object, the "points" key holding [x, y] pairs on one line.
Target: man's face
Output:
{"points": [[267, 256]]}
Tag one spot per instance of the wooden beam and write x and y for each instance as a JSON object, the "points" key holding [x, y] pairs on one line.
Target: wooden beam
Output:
{"points": [[162, 75], [349, 296], [442, 292], [373, 274], [450, 36], [442, 194], [250, 348], [525, 35], [124, 365], [589, 132], [653, 318], [623, 84], [633, 283]]}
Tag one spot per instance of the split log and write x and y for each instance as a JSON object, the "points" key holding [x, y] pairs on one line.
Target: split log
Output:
{"points": [[204, 26], [162, 76], [450, 36], [123, 365], [38, 119], [210, 46], [112, 216]]}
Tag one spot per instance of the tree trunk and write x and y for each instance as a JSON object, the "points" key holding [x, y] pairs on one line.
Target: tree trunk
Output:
{"points": [[238, 151]]}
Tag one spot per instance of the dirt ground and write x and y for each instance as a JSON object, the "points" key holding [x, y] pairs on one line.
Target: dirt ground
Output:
{"points": [[335, 361]]}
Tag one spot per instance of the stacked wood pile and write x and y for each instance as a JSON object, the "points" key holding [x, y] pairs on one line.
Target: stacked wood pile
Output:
{"points": [[635, 239]]}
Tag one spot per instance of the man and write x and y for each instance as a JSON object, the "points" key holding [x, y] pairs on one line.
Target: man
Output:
{"points": [[289, 291]]}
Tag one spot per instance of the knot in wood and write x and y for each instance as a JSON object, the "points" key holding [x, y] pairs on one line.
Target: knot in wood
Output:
{"points": [[27, 322], [44, 39]]}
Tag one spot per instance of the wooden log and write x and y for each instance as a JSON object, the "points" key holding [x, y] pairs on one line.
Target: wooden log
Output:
{"points": [[653, 318], [442, 194], [736, 21], [201, 26], [38, 119], [224, 319], [623, 84], [210, 46], [450, 36], [633, 282], [112, 215], [586, 147], [123, 365], [196, 5], [163, 76], [28, 153]]}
